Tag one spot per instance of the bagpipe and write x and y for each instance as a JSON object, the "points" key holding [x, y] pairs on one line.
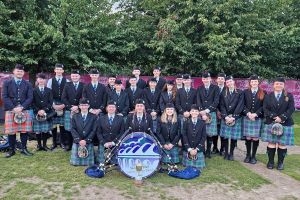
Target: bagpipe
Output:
{"points": [[139, 156]]}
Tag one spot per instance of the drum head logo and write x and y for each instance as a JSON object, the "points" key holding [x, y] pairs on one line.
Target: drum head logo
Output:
{"points": [[138, 148]]}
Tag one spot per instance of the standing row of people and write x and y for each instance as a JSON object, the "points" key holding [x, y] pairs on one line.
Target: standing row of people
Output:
{"points": [[175, 112]]}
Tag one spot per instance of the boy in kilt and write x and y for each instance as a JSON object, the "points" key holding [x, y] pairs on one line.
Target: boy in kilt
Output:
{"points": [[57, 84], [140, 83], [278, 108], [168, 133], [221, 86], [42, 107], [134, 93], [83, 129], [95, 92], [121, 98], [109, 129], [194, 136], [71, 95], [17, 96], [151, 96], [207, 101], [252, 121], [231, 105]]}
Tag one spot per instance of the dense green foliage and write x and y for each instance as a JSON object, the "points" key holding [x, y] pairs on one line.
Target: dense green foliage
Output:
{"points": [[236, 36]]}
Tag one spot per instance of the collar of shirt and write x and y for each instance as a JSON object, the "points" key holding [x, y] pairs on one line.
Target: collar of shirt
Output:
{"points": [[109, 116], [17, 79], [41, 88], [206, 87], [141, 116], [84, 114], [133, 88], [58, 77], [152, 90], [276, 94], [254, 91], [187, 88], [194, 121]]}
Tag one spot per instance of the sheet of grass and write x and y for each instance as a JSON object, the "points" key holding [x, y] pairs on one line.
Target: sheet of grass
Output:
{"points": [[51, 172], [291, 164], [296, 117]]}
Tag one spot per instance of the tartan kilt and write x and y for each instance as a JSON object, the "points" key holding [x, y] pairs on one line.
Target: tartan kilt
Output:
{"points": [[173, 153], [199, 163], [67, 120], [75, 160], [211, 129], [287, 138], [58, 120], [44, 126], [10, 127], [252, 128], [231, 132]]}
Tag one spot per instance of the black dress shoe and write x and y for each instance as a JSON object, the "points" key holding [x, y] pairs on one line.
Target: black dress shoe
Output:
{"points": [[40, 148], [247, 159], [253, 160], [63, 146], [10, 153], [207, 154], [280, 166], [25, 152], [215, 151], [67, 148], [221, 153], [270, 165], [46, 148], [230, 157], [53, 147]]}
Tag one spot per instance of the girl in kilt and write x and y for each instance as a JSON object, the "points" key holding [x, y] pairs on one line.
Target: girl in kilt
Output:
{"points": [[252, 122], [231, 105], [194, 136], [278, 108], [168, 95], [83, 129], [42, 105], [168, 133]]}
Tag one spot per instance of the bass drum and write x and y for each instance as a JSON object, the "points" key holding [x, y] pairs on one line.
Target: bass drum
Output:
{"points": [[139, 148]]}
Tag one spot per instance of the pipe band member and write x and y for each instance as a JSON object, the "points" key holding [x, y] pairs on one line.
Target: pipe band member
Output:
{"points": [[278, 108]]}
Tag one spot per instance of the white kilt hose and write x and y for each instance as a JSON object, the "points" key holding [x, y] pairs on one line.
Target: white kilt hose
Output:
{"points": [[211, 129], [10, 127], [287, 138], [231, 132], [252, 128], [77, 161]]}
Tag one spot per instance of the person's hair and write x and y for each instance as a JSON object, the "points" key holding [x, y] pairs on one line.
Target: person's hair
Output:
{"points": [[174, 90], [164, 117]]}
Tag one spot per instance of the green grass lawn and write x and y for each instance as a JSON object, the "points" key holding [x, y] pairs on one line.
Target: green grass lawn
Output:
{"points": [[51, 171], [291, 164], [296, 117]]}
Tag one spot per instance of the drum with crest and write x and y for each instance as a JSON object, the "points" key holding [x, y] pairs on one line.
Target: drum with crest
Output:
{"points": [[139, 155]]}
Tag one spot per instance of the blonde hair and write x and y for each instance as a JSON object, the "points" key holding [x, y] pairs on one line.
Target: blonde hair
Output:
{"points": [[164, 117]]}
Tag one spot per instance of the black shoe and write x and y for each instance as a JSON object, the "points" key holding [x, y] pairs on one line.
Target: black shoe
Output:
{"points": [[63, 146], [53, 147], [280, 166], [10, 153], [253, 160], [226, 156], [25, 152], [39, 148], [215, 151], [67, 148], [230, 157], [221, 153], [46, 148], [247, 159], [270, 165], [207, 154]]}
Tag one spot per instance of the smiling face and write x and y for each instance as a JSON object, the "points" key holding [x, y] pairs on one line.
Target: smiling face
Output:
{"points": [[194, 113], [136, 72], [254, 84], [18, 73], [206, 81], [111, 81], [221, 81], [94, 77], [230, 84], [41, 81], [170, 111], [75, 77], [58, 71], [187, 82], [84, 107], [278, 86], [156, 73], [111, 109], [139, 108]]}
